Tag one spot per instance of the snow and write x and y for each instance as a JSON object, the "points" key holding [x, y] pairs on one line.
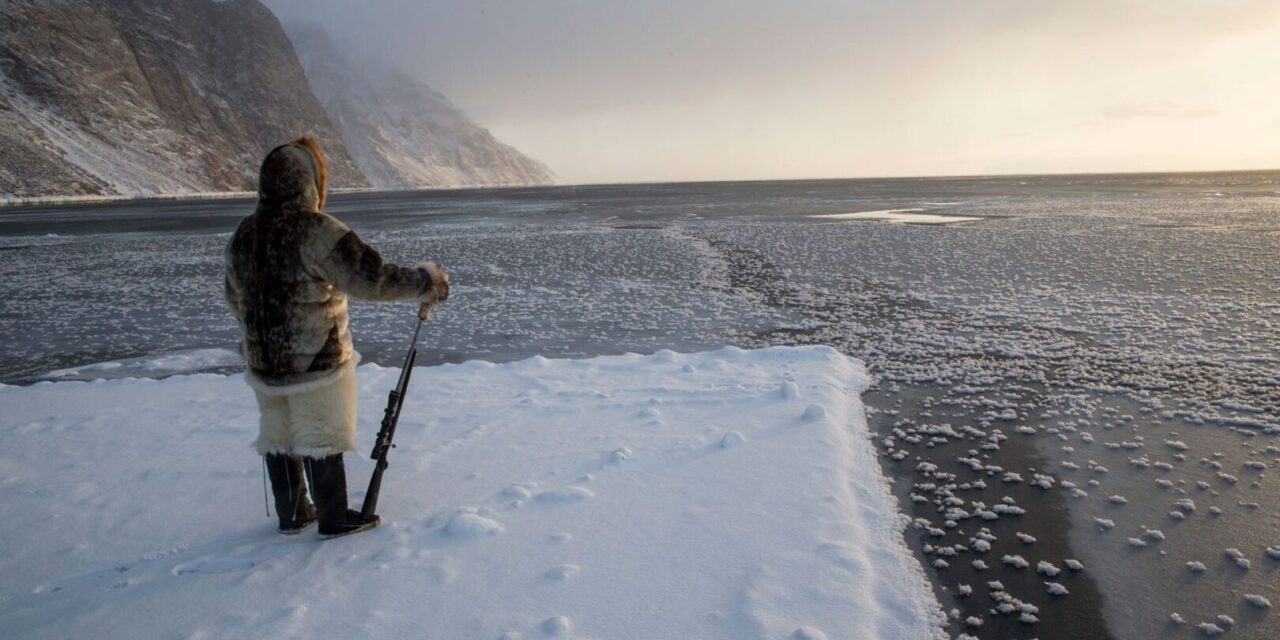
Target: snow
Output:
{"points": [[130, 161], [1258, 601], [137, 506], [1210, 629], [152, 366], [11, 200], [903, 216]]}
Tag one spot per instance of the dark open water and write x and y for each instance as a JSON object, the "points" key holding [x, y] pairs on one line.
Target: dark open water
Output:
{"points": [[1118, 335]]}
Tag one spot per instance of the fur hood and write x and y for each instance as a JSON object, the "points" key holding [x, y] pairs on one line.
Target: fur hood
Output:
{"points": [[294, 174], [289, 268]]}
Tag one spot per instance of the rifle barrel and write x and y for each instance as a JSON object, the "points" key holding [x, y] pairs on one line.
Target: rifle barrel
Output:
{"points": [[395, 401]]}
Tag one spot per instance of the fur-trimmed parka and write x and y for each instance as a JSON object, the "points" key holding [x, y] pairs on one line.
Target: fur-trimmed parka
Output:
{"points": [[289, 269]]}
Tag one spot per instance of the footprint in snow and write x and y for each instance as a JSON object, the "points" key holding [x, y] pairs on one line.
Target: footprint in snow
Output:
{"points": [[815, 412], [442, 574], [564, 495], [732, 440], [287, 614], [517, 491], [220, 565], [557, 625], [562, 572], [789, 391], [809, 633]]}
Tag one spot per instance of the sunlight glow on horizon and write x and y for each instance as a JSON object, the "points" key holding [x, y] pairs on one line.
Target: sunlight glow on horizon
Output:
{"points": [[754, 90]]}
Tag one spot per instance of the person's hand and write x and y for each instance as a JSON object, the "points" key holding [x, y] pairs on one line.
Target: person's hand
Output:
{"points": [[439, 288]]}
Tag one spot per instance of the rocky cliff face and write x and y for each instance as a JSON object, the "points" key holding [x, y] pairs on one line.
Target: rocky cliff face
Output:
{"points": [[137, 97], [401, 132]]}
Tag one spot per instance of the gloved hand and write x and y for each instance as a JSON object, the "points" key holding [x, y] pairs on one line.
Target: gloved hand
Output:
{"points": [[437, 291]]}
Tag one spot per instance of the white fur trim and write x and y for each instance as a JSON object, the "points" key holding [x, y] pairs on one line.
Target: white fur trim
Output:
{"points": [[329, 377], [273, 425], [439, 285], [319, 452], [316, 423], [434, 270]]}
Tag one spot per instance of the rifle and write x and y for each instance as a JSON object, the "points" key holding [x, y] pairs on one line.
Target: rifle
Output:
{"points": [[395, 400]]}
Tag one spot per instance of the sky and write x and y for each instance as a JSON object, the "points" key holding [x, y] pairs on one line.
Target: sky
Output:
{"points": [[675, 90]]}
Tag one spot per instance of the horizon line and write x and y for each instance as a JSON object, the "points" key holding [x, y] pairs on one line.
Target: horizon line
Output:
{"points": [[958, 176]]}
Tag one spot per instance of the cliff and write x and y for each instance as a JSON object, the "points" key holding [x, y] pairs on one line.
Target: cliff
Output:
{"points": [[401, 132], [133, 97]]}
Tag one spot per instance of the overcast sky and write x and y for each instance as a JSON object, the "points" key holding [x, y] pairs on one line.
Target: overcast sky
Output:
{"points": [[620, 91]]}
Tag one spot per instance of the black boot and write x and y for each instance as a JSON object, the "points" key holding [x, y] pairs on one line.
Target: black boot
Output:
{"points": [[328, 479], [290, 488]]}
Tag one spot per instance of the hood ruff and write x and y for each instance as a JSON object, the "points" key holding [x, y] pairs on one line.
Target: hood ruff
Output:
{"points": [[294, 176]]}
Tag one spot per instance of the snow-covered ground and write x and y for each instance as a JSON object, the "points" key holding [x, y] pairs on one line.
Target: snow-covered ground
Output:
{"points": [[731, 494]]}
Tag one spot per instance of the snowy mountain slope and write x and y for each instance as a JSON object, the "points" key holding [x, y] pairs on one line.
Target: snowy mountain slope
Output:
{"points": [[401, 132], [136, 97], [730, 495]]}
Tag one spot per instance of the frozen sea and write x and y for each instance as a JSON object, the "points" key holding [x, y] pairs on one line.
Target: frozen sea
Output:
{"points": [[1092, 362]]}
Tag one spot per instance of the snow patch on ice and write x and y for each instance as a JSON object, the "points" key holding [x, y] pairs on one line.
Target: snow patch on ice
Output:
{"points": [[902, 216]]}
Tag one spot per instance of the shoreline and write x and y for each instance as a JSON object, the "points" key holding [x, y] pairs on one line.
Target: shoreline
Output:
{"points": [[54, 200]]}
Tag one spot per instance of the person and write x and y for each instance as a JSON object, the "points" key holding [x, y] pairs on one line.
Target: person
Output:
{"points": [[289, 269]]}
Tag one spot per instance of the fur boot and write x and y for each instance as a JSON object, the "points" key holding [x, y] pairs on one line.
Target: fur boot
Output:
{"points": [[289, 485], [328, 479]]}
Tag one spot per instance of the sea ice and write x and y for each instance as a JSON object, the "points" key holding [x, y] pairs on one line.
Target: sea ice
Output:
{"points": [[1016, 561], [1258, 601]]}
